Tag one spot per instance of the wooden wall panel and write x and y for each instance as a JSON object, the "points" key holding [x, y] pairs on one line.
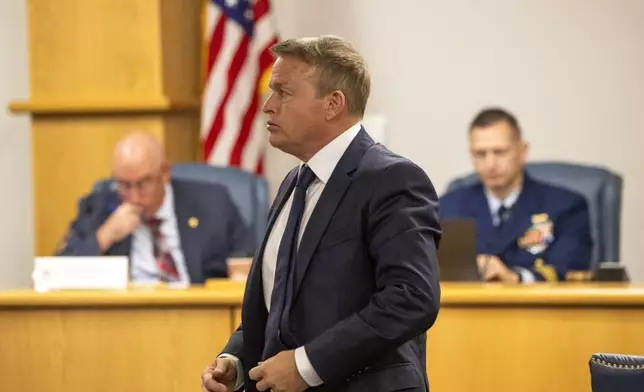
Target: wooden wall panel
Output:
{"points": [[181, 53], [97, 48], [119, 349]]}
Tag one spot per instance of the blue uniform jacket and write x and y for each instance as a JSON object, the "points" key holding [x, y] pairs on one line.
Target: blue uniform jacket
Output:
{"points": [[548, 231]]}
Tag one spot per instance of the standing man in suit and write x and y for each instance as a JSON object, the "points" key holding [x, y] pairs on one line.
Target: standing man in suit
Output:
{"points": [[526, 230], [345, 284], [172, 230]]}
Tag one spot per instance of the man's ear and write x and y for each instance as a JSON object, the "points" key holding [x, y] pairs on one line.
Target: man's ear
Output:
{"points": [[525, 148], [166, 172], [335, 104]]}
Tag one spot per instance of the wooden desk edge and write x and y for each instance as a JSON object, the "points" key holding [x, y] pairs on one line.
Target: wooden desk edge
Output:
{"points": [[218, 293], [230, 294], [120, 298], [562, 294]]}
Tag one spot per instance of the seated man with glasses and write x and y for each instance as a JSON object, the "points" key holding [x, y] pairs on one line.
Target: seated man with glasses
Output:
{"points": [[172, 230]]}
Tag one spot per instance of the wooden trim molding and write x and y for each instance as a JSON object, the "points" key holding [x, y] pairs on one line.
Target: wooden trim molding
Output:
{"points": [[103, 106]]}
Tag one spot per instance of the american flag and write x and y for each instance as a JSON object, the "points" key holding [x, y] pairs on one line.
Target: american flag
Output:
{"points": [[238, 36]]}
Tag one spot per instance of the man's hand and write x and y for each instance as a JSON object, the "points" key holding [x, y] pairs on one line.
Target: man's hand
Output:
{"points": [[492, 268], [221, 376], [123, 222], [279, 374]]}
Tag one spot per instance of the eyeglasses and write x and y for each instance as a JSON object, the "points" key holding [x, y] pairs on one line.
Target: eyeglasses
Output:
{"points": [[144, 185]]}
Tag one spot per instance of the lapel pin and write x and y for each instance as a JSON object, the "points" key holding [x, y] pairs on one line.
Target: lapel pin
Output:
{"points": [[193, 222]]}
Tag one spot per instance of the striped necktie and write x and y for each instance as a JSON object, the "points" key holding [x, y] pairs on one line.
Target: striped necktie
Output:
{"points": [[164, 260]]}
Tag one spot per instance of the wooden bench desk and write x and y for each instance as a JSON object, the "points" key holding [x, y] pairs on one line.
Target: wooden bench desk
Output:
{"points": [[487, 337]]}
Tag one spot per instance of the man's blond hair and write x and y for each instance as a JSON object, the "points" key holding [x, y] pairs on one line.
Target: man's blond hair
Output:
{"points": [[338, 64]]}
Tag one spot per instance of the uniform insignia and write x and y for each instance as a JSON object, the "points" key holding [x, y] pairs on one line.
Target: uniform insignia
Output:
{"points": [[547, 271], [193, 222], [538, 236]]}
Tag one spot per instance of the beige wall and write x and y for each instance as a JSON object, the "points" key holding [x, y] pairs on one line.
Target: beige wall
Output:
{"points": [[571, 70], [16, 207]]}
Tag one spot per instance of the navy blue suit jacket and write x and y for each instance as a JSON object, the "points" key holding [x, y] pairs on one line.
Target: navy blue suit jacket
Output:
{"points": [[570, 248], [366, 283], [220, 233]]}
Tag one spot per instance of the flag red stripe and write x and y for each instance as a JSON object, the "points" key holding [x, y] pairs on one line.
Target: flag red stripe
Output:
{"points": [[260, 9], [235, 68], [260, 165], [264, 60], [218, 129], [216, 42]]}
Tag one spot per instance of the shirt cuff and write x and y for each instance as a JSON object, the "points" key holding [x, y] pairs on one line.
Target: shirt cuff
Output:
{"points": [[304, 367], [240, 370], [526, 275]]}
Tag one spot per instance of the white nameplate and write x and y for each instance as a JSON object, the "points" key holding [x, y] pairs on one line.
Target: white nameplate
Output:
{"points": [[80, 273]]}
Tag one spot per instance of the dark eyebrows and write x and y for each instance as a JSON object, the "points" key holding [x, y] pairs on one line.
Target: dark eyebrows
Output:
{"points": [[277, 85]]}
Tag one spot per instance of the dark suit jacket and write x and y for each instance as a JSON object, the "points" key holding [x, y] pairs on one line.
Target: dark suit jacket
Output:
{"points": [[366, 282], [568, 212], [220, 233]]}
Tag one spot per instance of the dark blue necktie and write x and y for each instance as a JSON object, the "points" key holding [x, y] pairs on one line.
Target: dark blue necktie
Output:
{"points": [[503, 215], [282, 294]]}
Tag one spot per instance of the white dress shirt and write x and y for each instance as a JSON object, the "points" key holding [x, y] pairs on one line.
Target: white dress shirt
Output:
{"points": [[143, 266], [322, 164], [494, 203]]}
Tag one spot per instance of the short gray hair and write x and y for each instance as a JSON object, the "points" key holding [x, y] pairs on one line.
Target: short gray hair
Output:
{"points": [[339, 67]]}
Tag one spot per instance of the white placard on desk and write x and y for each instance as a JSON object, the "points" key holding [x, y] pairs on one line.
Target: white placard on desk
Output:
{"points": [[80, 273]]}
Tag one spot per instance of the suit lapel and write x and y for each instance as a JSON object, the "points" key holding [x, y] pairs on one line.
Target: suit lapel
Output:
{"points": [[189, 236], [254, 312], [479, 209], [331, 196], [255, 274], [280, 200], [121, 248], [254, 293]]}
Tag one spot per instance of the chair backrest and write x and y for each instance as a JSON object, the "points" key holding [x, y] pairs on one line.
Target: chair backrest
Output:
{"points": [[602, 190], [248, 191], [616, 373]]}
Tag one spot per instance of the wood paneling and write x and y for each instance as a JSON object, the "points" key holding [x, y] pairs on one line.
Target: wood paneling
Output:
{"points": [[109, 349], [104, 48], [181, 52], [487, 337], [181, 137], [526, 348]]}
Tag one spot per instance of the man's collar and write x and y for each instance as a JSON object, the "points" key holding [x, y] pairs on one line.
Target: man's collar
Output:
{"points": [[324, 161], [507, 202], [166, 211]]}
